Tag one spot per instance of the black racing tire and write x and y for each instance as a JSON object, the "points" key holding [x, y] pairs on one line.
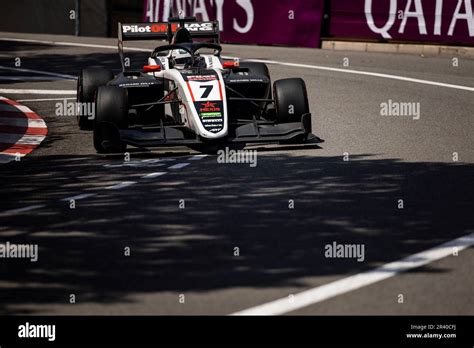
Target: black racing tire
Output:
{"points": [[88, 82], [291, 100], [259, 69], [110, 116]]}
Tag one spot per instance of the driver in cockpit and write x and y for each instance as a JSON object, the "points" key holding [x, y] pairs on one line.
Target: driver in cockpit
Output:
{"points": [[182, 58]]}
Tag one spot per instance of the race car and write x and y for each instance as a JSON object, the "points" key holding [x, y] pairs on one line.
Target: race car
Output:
{"points": [[184, 96]]}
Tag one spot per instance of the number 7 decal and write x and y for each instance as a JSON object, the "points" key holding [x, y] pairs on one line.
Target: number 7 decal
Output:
{"points": [[207, 90]]}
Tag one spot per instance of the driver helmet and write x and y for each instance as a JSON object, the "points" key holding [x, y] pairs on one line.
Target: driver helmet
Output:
{"points": [[181, 57]]}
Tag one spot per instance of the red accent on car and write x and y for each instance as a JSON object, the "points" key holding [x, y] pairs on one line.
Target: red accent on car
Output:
{"points": [[220, 89], [190, 91], [151, 68], [230, 65]]}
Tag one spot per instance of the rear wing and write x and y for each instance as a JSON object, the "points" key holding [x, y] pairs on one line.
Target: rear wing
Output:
{"points": [[165, 31]]}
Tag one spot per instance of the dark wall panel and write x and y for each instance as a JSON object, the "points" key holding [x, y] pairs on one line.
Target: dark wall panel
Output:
{"points": [[53, 17], [37, 16]]}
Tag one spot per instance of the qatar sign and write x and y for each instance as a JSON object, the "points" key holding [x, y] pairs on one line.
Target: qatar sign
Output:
{"points": [[441, 21], [270, 22]]}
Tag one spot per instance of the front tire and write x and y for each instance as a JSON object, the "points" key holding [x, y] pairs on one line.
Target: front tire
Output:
{"points": [[111, 117], [291, 100], [88, 82], [259, 69]]}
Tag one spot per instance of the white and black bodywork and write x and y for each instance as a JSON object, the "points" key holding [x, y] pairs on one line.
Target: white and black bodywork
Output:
{"points": [[184, 96]]}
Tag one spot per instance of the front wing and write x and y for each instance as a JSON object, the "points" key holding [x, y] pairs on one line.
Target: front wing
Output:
{"points": [[251, 132]]}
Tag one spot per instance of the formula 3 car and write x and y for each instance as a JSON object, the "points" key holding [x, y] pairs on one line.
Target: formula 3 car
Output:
{"points": [[185, 97]]}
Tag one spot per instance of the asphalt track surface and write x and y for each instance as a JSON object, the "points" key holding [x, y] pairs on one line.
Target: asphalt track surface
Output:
{"points": [[190, 251]]}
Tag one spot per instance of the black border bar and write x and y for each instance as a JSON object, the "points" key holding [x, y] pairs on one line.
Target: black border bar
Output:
{"points": [[192, 330]]}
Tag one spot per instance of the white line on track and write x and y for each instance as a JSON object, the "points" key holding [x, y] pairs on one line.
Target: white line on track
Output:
{"points": [[153, 175], [40, 72], [121, 185], [345, 285], [44, 99], [197, 157], [22, 210], [296, 65], [79, 197], [366, 73], [159, 160], [38, 91], [32, 78], [112, 187], [77, 44], [179, 165]]}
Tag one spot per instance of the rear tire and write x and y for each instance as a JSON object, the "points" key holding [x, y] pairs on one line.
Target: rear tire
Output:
{"points": [[111, 116], [291, 100], [88, 82]]}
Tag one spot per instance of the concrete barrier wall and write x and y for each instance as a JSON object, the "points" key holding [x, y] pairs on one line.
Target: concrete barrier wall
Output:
{"points": [[53, 17], [37, 16]]}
